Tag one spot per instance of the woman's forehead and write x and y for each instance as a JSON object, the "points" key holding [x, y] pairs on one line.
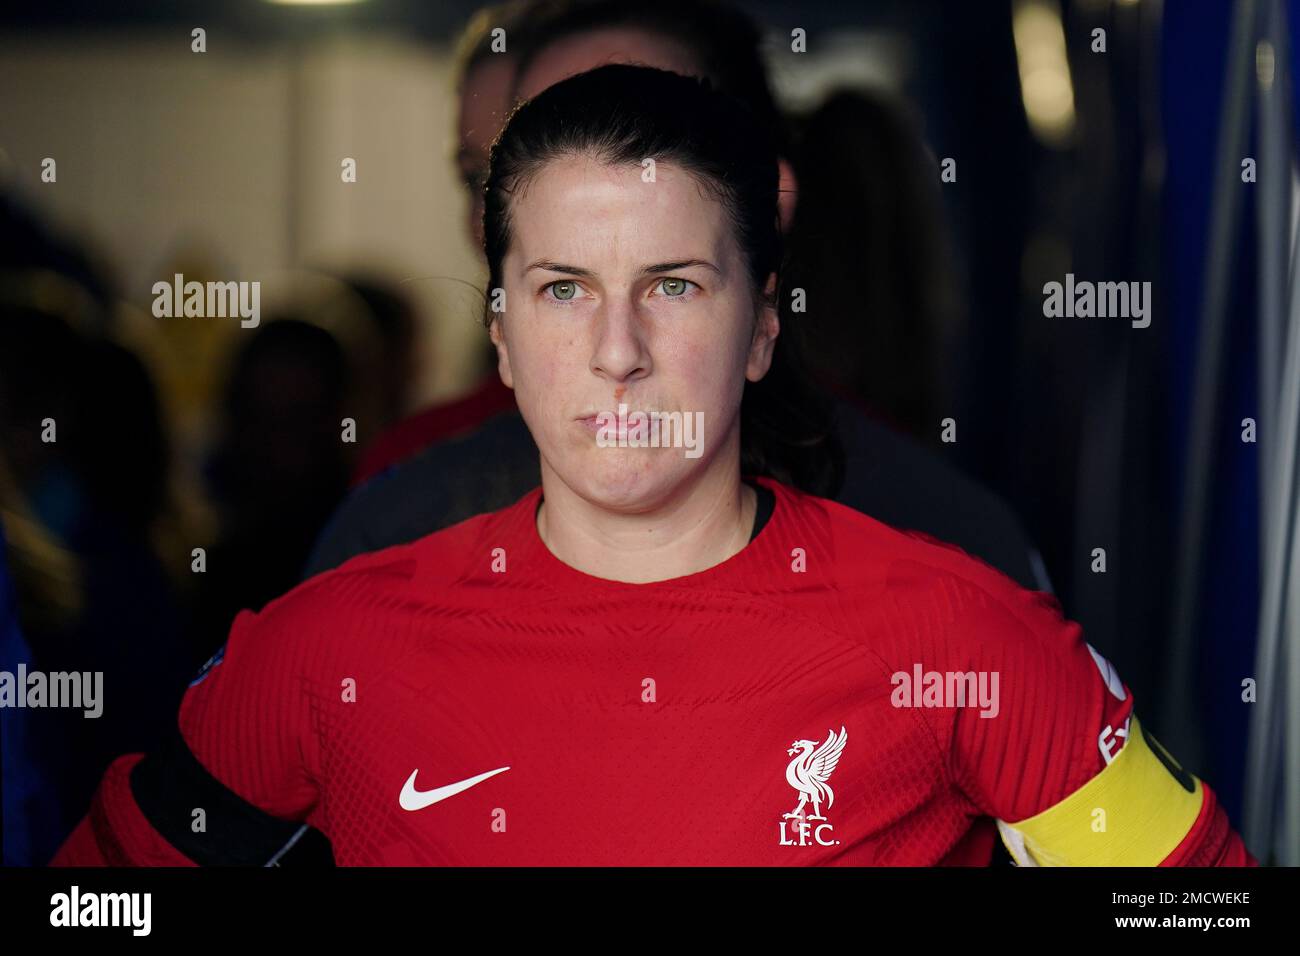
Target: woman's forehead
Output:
{"points": [[605, 211]]}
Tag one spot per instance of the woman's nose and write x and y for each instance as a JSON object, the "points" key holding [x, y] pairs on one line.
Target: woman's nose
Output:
{"points": [[620, 350]]}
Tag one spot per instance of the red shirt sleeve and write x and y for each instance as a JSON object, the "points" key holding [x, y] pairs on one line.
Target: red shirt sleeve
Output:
{"points": [[1063, 715], [245, 718]]}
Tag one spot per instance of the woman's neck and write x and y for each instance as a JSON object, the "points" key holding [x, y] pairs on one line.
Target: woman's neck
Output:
{"points": [[702, 526]]}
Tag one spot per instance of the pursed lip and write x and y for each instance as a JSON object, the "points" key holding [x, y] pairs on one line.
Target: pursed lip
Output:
{"points": [[592, 423], [613, 413], [590, 419], [610, 424]]}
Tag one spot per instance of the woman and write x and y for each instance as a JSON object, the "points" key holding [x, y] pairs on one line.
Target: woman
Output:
{"points": [[649, 660]]}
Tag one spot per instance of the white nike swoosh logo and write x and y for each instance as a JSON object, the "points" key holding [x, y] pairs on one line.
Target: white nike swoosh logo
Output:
{"points": [[412, 799]]}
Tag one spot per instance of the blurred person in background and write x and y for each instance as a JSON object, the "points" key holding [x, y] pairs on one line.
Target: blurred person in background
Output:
{"points": [[84, 463], [279, 467], [869, 194], [483, 85], [395, 364], [869, 245]]}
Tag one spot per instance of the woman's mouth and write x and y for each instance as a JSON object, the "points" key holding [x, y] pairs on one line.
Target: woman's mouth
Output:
{"points": [[618, 424], [597, 421]]}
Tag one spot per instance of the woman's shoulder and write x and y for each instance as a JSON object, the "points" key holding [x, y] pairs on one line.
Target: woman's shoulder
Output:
{"points": [[416, 571], [920, 593], [862, 548]]}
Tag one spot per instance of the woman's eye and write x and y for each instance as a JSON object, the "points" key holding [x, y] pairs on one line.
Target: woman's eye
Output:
{"points": [[563, 290], [674, 288]]}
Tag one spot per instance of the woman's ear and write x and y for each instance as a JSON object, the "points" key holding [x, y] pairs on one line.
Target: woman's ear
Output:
{"points": [[766, 329], [788, 195], [503, 354]]}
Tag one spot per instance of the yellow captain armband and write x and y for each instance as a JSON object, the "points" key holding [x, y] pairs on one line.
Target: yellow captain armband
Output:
{"points": [[1134, 813]]}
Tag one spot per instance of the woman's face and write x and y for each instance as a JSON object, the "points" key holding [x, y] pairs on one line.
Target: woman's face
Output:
{"points": [[622, 291]]}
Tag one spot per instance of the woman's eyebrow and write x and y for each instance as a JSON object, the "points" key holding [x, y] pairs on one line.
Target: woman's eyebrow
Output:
{"points": [[679, 264], [551, 266]]}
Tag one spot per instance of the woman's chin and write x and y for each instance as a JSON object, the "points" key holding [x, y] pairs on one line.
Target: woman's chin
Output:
{"points": [[628, 479]]}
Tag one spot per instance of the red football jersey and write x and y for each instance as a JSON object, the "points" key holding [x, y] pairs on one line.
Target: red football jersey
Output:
{"points": [[837, 692]]}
